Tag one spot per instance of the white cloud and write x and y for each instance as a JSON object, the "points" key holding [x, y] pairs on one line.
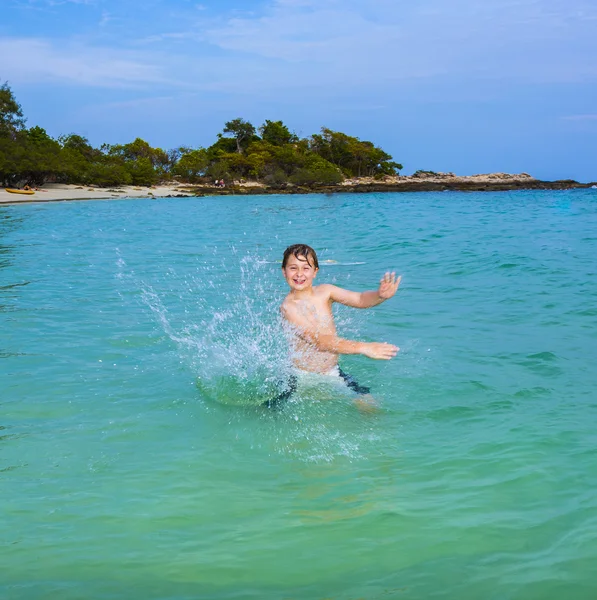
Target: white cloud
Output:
{"points": [[546, 40], [164, 37], [27, 60], [106, 18], [327, 47]]}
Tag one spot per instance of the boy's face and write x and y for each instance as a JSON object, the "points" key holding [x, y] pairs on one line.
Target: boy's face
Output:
{"points": [[299, 274]]}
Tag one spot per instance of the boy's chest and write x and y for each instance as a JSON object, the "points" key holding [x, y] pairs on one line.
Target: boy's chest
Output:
{"points": [[317, 310]]}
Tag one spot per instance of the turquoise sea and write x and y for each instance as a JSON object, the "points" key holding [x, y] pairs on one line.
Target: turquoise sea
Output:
{"points": [[138, 336]]}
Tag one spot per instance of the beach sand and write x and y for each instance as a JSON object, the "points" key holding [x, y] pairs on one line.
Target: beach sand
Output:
{"points": [[52, 192]]}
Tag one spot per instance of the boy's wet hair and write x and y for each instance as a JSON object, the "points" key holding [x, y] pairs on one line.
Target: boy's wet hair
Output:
{"points": [[299, 250]]}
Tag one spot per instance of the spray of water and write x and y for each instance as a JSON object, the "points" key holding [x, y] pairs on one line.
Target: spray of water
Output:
{"points": [[224, 322], [221, 317]]}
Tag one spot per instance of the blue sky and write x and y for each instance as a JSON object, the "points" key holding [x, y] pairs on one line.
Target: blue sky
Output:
{"points": [[467, 86]]}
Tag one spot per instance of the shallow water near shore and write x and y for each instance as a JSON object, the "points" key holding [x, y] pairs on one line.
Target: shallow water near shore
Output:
{"points": [[139, 337]]}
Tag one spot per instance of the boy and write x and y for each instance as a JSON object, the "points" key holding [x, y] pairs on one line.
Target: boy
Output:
{"points": [[308, 311]]}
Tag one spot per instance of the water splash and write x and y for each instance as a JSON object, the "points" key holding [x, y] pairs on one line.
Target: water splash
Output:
{"points": [[224, 323]]}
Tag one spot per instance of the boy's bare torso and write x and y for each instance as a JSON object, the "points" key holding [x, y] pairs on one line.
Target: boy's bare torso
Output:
{"points": [[316, 309]]}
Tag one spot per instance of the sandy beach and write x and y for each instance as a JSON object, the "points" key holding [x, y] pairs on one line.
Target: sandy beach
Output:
{"points": [[53, 192]]}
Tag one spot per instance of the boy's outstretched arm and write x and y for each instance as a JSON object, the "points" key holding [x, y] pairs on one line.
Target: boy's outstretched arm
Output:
{"points": [[327, 342], [388, 286]]}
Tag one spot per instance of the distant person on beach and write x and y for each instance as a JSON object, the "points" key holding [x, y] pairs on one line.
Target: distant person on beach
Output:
{"points": [[307, 309]]}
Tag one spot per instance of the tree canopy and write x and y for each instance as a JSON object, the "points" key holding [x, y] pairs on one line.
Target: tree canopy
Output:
{"points": [[242, 131], [354, 157], [277, 134], [11, 113], [271, 154]]}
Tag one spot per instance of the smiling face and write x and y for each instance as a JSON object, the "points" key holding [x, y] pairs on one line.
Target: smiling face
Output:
{"points": [[299, 273]]}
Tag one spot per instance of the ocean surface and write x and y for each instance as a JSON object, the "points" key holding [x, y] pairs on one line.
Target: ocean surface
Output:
{"points": [[138, 338]]}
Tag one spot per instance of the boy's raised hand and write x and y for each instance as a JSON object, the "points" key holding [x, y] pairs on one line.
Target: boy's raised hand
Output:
{"points": [[388, 285]]}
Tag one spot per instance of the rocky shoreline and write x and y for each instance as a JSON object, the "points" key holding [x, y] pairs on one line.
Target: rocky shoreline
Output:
{"points": [[436, 182]]}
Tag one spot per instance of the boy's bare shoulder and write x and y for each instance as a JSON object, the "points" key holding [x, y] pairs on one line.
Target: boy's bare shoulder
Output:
{"points": [[328, 292], [323, 290], [288, 305], [285, 304]]}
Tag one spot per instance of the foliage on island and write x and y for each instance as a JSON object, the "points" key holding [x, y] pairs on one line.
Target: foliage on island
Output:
{"points": [[270, 154], [423, 173]]}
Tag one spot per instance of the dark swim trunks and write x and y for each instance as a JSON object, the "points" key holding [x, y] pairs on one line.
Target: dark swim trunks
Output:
{"points": [[292, 385], [353, 385], [281, 399]]}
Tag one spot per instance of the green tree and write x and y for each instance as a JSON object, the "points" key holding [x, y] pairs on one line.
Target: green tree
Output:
{"points": [[11, 113], [266, 159], [291, 157], [242, 132], [13, 154], [276, 157], [276, 133], [29, 156], [13, 141], [356, 158], [274, 176], [222, 146], [42, 162], [317, 170], [145, 165], [174, 155], [218, 170], [230, 166], [142, 172], [140, 149], [77, 157], [79, 144], [191, 165], [107, 173]]}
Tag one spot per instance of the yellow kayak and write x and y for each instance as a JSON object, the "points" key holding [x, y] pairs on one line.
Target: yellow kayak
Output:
{"points": [[26, 192]]}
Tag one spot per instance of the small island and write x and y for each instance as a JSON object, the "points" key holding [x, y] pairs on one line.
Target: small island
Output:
{"points": [[244, 160]]}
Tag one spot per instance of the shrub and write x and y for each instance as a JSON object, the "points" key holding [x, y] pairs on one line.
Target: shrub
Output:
{"points": [[276, 178]]}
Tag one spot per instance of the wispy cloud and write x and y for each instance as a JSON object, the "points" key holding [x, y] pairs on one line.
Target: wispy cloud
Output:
{"points": [[105, 19], [318, 43], [29, 60], [391, 40], [165, 37]]}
